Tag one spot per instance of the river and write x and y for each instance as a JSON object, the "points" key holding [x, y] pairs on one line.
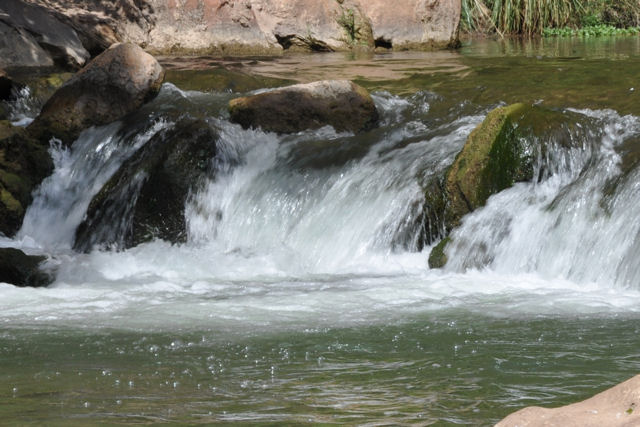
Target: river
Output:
{"points": [[303, 293]]}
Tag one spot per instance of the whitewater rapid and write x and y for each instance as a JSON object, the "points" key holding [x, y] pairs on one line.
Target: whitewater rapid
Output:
{"points": [[321, 229]]}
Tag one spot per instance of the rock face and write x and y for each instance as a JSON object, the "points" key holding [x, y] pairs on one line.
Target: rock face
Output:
{"points": [[244, 26], [24, 163], [20, 269], [414, 24], [146, 198], [238, 25], [618, 406], [42, 39], [339, 103], [115, 83]]}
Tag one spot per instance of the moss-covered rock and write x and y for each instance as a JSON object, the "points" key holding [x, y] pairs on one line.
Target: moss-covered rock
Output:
{"points": [[20, 269], [437, 256], [338, 103], [494, 157], [24, 163], [146, 198]]}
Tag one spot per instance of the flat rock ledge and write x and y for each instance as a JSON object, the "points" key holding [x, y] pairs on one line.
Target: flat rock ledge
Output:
{"points": [[338, 103], [618, 406]]}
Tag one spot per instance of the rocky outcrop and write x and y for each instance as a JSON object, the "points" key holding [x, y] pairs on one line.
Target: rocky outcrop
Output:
{"points": [[115, 83], [618, 406], [247, 26], [338, 103], [20, 269], [41, 38], [145, 199], [24, 163]]}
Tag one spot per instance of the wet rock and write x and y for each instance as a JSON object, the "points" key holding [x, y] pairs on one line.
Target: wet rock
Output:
{"points": [[438, 257], [55, 42], [145, 199], [24, 163], [20, 269], [6, 85], [338, 103], [616, 407], [494, 158], [112, 85]]}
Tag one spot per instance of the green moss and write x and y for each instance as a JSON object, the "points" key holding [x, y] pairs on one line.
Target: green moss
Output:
{"points": [[493, 159], [10, 203], [438, 257]]}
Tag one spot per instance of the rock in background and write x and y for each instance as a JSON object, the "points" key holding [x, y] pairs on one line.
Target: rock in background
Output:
{"points": [[66, 31]]}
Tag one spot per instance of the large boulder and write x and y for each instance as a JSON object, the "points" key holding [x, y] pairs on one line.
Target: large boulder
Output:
{"points": [[145, 199], [24, 163], [115, 83], [618, 406], [20, 269], [338, 103], [27, 23]]}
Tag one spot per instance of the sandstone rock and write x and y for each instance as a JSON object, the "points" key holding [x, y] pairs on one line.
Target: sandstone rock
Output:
{"points": [[146, 198], [24, 163], [257, 26], [414, 24], [59, 40], [338, 103], [115, 83], [20, 269], [618, 406]]}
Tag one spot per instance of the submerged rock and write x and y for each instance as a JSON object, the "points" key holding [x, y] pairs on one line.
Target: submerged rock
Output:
{"points": [[115, 83], [338, 103], [20, 269], [24, 163], [145, 199], [618, 406]]}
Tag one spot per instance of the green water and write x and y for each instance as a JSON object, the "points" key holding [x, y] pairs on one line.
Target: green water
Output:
{"points": [[434, 370]]}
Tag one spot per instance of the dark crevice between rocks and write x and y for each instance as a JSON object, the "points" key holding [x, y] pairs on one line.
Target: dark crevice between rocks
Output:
{"points": [[383, 43], [307, 43]]}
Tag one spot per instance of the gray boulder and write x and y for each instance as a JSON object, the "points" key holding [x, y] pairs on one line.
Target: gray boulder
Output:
{"points": [[55, 41], [115, 83], [338, 103]]}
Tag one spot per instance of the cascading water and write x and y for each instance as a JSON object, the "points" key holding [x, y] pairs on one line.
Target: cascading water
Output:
{"points": [[304, 283]]}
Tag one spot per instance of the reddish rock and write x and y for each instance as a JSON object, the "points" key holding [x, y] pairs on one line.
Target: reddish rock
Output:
{"points": [[618, 406]]}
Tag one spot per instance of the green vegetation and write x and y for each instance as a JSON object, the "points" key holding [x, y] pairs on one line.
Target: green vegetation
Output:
{"points": [[586, 18], [600, 30]]}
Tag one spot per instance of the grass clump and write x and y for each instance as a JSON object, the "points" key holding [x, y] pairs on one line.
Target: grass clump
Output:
{"points": [[537, 17], [600, 30]]}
